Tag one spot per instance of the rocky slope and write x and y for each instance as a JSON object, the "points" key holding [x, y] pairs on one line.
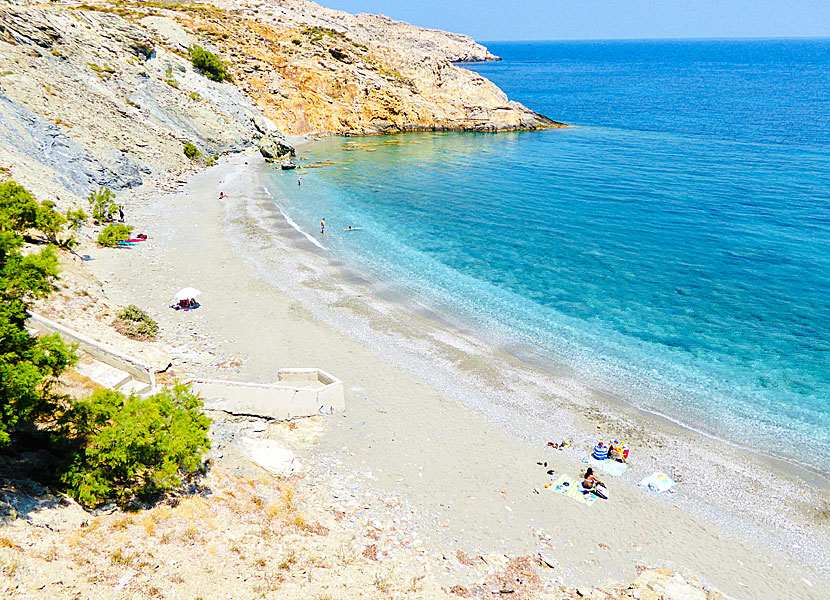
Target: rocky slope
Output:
{"points": [[105, 94]]}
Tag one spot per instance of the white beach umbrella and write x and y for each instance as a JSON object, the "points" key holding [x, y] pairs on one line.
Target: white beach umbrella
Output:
{"points": [[187, 294]]}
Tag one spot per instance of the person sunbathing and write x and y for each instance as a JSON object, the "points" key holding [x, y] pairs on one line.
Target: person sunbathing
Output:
{"points": [[590, 484]]}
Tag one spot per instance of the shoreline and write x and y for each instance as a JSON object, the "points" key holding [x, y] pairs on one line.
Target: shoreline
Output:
{"points": [[197, 208]]}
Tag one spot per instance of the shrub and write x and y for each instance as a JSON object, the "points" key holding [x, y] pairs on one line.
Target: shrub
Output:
{"points": [[208, 64], [135, 323], [18, 208], [191, 151], [76, 218], [114, 233], [28, 366], [49, 221], [129, 448], [104, 72], [195, 96], [102, 203]]}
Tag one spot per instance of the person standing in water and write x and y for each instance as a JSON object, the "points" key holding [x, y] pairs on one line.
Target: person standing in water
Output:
{"points": [[323, 226], [299, 180]]}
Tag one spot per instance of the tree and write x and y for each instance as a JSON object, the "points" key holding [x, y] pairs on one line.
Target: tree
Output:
{"points": [[49, 221], [208, 64], [102, 203], [28, 366], [18, 208], [131, 448], [76, 218]]}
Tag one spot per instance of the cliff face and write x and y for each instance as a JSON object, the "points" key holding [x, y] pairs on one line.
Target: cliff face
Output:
{"points": [[312, 69], [104, 94]]}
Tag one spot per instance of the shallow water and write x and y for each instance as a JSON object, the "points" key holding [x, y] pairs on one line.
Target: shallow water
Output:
{"points": [[674, 249]]}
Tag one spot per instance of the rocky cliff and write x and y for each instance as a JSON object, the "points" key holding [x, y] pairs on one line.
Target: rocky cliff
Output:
{"points": [[105, 94]]}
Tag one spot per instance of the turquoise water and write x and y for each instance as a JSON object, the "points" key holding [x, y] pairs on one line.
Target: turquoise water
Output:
{"points": [[674, 248]]}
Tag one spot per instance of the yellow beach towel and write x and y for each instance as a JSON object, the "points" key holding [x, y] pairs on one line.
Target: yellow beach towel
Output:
{"points": [[569, 486]]}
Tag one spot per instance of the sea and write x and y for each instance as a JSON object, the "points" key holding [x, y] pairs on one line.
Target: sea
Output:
{"points": [[671, 248]]}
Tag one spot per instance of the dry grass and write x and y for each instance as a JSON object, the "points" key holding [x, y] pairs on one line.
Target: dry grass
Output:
{"points": [[122, 523], [76, 385], [518, 578], [383, 582], [7, 543], [288, 560], [346, 554]]}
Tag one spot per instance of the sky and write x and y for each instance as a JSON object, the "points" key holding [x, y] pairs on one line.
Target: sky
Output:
{"points": [[496, 20]]}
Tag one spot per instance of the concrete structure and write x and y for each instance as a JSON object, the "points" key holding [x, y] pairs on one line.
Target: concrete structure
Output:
{"points": [[105, 365], [297, 393]]}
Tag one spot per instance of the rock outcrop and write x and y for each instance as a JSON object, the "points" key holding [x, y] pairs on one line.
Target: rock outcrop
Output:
{"points": [[313, 69]]}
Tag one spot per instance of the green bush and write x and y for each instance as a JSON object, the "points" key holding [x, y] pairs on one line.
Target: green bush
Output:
{"points": [[129, 448], [76, 218], [18, 208], [114, 233], [134, 322], [102, 203], [29, 366], [49, 221], [208, 64], [191, 151], [195, 96]]}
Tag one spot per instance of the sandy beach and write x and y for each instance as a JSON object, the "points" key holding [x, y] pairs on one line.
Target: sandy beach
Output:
{"points": [[449, 424]]}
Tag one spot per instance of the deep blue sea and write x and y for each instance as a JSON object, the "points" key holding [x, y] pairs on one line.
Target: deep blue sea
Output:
{"points": [[674, 248]]}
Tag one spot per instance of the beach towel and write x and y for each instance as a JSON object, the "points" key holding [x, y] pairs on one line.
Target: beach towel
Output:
{"points": [[611, 467], [658, 482], [569, 486]]}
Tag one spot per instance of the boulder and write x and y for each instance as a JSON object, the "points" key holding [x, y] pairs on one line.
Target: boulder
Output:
{"points": [[272, 147], [64, 515], [271, 456]]}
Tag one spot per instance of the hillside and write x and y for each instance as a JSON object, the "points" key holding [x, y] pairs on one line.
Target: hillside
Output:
{"points": [[105, 94]]}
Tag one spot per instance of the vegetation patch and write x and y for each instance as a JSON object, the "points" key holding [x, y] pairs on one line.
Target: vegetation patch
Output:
{"points": [[104, 72], [208, 64], [114, 233], [169, 79], [135, 323], [131, 448], [191, 151], [102, 203]]}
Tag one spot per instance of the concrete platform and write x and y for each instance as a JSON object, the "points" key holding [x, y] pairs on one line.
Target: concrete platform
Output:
{"points": [[103, 374]]}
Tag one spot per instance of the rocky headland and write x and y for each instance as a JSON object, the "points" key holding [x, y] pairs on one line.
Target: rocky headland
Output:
{"points": [[105, 93]]}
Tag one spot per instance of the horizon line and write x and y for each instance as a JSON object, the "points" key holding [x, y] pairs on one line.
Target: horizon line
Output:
{"points": [[663, 39]]}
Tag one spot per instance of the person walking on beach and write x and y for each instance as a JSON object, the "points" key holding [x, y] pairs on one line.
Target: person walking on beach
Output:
{"points": [[121, 213], [323, 226]]}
